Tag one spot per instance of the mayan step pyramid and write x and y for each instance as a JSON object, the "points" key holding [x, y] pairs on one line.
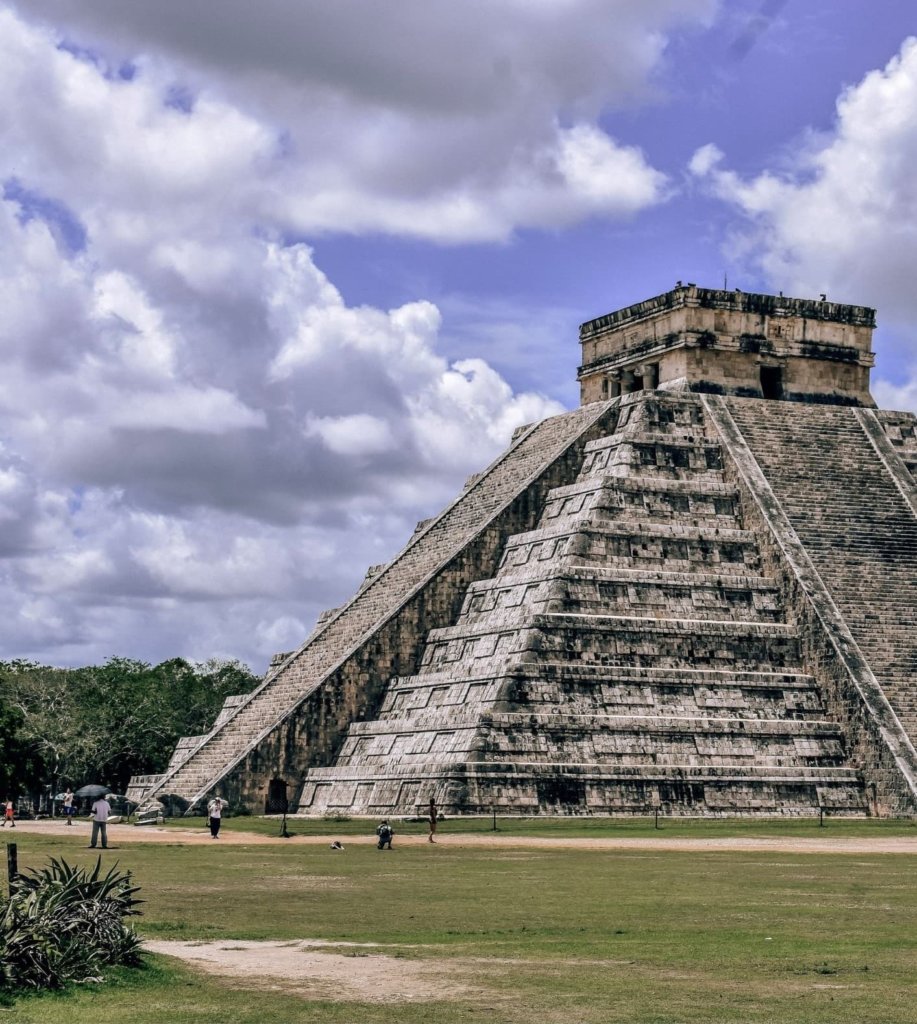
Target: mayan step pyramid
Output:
{"points": [[697, 593]]}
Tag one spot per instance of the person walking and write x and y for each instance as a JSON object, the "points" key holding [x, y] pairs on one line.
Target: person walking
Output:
{"points": [[101, 809], [215, 811], [68, 806], [432, 815], [9, 814]]}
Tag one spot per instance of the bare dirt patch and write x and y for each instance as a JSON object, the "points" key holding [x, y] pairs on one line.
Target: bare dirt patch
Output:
{"points": [[775, 844], [315, 971]]}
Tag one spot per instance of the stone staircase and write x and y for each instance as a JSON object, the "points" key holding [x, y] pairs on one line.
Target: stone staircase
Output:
{"points": [[852, 512], [628, 653], [353, 638]]}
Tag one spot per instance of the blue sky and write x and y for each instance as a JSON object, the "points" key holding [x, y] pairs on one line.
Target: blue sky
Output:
{"points": [[276, 279]]}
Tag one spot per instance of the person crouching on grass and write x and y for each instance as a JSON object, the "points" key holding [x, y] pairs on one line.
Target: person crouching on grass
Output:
{"points": [[385, 833], [215, 811]]}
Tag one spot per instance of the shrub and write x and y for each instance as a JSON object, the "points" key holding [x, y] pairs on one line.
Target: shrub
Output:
{"points": [[65, 924]]}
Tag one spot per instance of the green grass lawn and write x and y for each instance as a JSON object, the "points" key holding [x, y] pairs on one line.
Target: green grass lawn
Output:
{"points": [[550, 935]]}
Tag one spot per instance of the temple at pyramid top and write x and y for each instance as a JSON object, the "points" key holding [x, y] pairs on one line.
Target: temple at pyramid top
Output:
{"points": [[731, 343]]}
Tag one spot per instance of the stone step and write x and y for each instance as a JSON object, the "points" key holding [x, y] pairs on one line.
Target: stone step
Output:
{"points": [[653, 455], [722, 773], [587, 789], [751, 704], [702, 489], [614, 641], [660, 412], [691, 439], [600, 738], [611, 624], [601, 748], [625, 721], [624, 674], [637, 529], [635, 545], [573, 686], [697, 502], [598, 589], [677, 697]]}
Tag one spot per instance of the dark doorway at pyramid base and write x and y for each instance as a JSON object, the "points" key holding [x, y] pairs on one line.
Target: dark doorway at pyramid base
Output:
{"points": [[276, 801]]}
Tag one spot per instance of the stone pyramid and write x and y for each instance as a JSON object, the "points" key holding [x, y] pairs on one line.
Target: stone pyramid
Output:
{"points": [[673, 597]]}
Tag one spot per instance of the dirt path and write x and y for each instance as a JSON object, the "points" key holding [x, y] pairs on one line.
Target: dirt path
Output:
{"points": [[119, 834], [323, 970]]}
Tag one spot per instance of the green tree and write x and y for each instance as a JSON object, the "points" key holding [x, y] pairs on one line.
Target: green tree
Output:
{"points": [[20, 767], [104, 723], [40, 700]]}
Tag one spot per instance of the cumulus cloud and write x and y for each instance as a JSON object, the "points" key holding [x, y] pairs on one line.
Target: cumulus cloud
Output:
{"points": [[843, 219], [356, 434], [451, 122], [901, 397], [201, 443]]}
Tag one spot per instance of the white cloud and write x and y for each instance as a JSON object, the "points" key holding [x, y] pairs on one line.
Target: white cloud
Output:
{"points": [[569, 175], [357, 434], [282, 634], [843, 221], [846, 221], [615, 178], [902, 398], [451, 122], [193, 410], [470, 403], [142, 343], [705, 159], [192, 418]]}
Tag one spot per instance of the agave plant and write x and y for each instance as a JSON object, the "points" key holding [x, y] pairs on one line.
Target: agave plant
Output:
{"points": [[63, 923]]}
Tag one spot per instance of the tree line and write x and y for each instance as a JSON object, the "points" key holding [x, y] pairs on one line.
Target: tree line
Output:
{"points": [[104, 723]]}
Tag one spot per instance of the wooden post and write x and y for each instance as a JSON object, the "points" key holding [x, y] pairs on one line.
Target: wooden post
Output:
{"points": [[494, 809]]}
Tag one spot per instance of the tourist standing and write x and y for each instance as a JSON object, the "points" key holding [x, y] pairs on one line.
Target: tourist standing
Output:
{"points": [[9, 814], [101, 809], [215, 811], [68, 806], [432, 814]]}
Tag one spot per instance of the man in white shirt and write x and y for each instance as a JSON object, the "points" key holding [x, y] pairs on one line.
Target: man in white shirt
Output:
{"points": [[100, 812], [215, 811]]}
